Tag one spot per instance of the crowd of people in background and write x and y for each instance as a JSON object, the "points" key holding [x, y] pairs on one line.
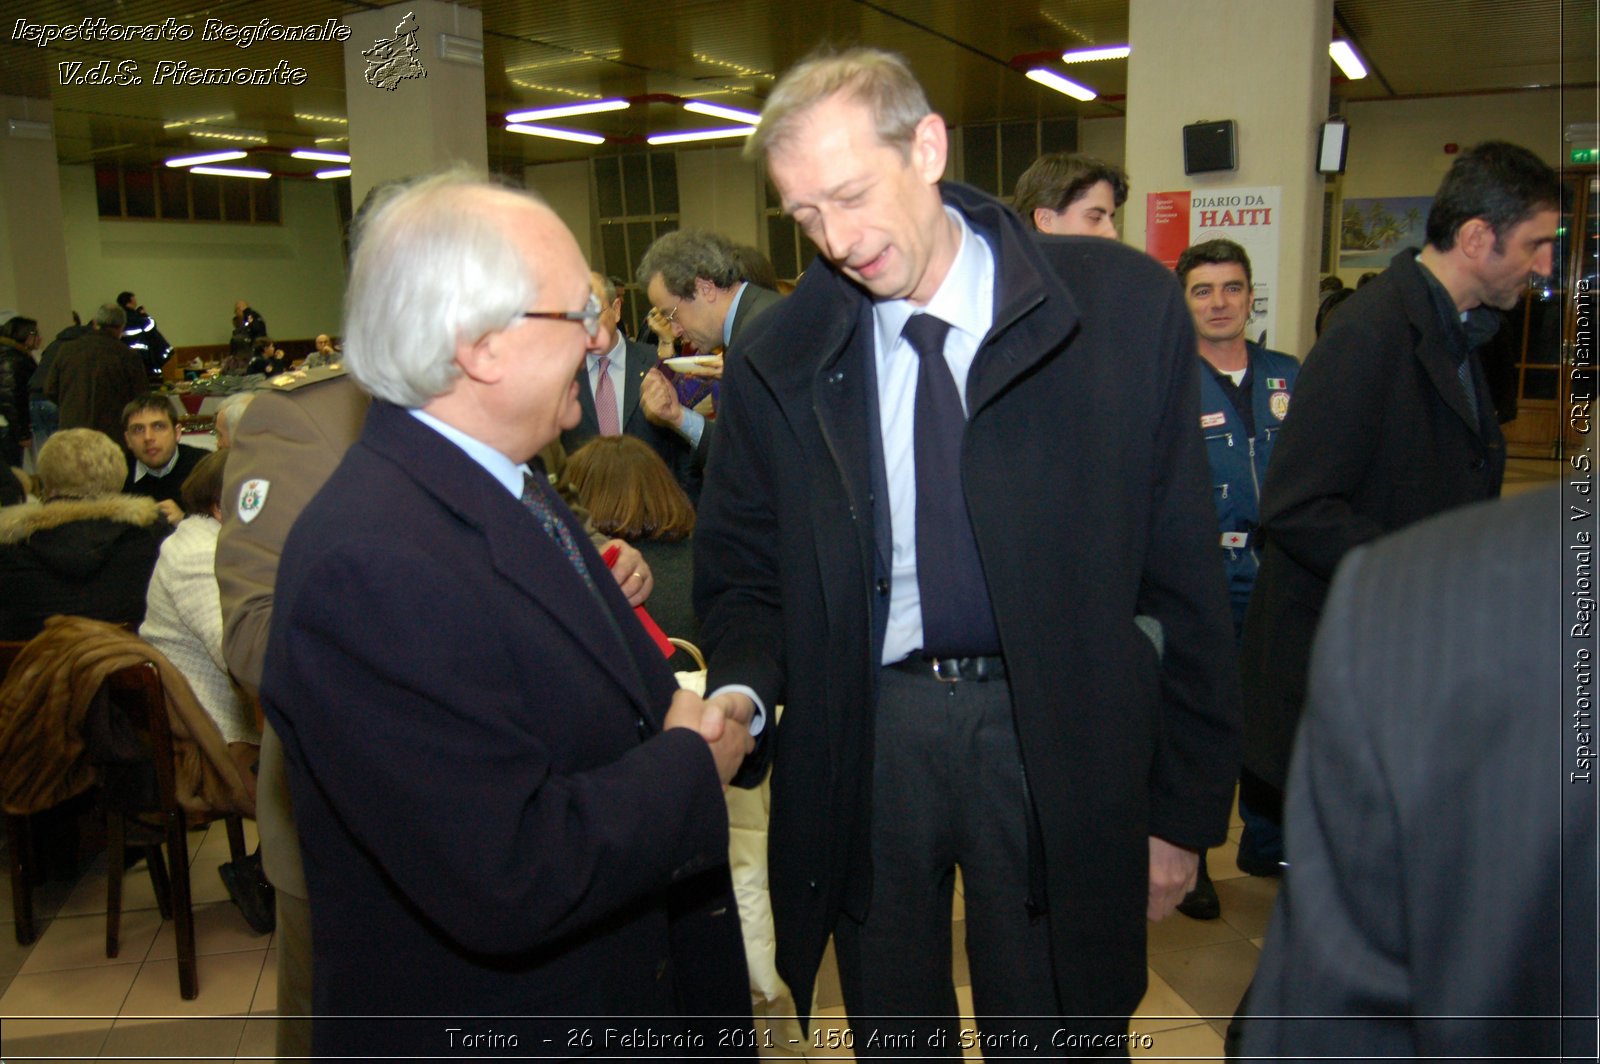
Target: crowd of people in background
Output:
{"points": [[826, 480]]}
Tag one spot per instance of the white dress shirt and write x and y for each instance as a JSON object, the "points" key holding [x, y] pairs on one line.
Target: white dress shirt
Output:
{"points": [[966, 300], [616, 369]]}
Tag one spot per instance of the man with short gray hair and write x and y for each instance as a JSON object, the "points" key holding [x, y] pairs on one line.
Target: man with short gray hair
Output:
{"points": [[505, 806], [93, 377], [892, 545], [694, 281]]}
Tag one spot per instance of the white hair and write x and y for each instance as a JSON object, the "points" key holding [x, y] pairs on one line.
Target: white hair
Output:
{"points": [[229, 411], [433, 266]]}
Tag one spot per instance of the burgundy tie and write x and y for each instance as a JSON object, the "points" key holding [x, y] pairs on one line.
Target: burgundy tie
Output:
{"points": [[605, 401]]}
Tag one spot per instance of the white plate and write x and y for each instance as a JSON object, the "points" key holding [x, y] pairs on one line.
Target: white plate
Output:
{"points": [[687, 362]]}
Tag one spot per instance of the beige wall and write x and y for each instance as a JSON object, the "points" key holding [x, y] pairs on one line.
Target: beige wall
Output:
{"points": [[188, 274], [568, 190]]}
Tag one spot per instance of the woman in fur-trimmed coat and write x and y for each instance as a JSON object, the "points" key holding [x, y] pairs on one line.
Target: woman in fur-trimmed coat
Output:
{"points": [[85, 549]]}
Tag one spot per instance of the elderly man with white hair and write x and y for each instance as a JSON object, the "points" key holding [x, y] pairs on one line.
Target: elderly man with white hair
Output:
{"points": [[505, 806]]}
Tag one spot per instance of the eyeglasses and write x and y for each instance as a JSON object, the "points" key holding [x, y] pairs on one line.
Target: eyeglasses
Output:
{"points": [[589, 315], [672, 314]]}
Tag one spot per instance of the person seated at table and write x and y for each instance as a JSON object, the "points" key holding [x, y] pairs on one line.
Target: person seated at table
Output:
{"points": [[237, 361], [183, 613], [84, 549], [630, 493], [157, 463], [266, 358], [325, 355]]}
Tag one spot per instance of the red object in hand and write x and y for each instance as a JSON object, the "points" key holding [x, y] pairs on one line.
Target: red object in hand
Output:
{"points": [[651, 628]]}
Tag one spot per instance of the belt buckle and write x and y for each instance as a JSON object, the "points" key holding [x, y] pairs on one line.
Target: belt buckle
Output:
{"points": [[946, 670]]}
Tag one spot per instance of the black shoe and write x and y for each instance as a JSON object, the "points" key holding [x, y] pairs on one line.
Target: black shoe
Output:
{"points": [[1201, 903], [248, 887], [1257, 866]]}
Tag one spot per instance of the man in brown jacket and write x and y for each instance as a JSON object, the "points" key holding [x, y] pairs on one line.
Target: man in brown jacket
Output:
{"points": [[95, 376]]}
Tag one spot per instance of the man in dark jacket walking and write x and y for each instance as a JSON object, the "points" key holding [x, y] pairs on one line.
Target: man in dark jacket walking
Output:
{"points": [[1392, 419]]}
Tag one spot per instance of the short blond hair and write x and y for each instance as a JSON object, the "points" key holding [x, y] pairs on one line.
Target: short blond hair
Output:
{"points": [[881, 80], [80, 463]]}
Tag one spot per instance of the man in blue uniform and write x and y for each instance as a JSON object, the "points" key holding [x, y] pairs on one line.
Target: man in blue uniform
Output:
{"points": [[1244, 397]]}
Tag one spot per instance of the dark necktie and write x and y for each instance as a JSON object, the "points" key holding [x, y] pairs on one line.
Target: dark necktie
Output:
{"points": [[533, 497], [605, 401], [957, 619]]}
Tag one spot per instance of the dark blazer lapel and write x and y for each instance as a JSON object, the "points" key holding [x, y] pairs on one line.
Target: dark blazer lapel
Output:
{"points": [[637, 361], [1432, 352], [588, 424], [517, 547], [1027, 328]]}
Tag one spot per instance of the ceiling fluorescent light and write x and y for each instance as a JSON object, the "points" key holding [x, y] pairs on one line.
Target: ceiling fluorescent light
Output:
{"points": [[243, 136], [228, 171], [1051, 80], [320, 156], [463, 50], [1347, 59], [700, 134], [732, 114], [1089, 55], [567, 110], [201, 160], [28, 129], [323, 175], [555, 134]]}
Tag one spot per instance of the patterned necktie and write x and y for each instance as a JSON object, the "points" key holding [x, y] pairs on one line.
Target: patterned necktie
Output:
{"points": [[533, 497], [957, 619], [605, 401]]}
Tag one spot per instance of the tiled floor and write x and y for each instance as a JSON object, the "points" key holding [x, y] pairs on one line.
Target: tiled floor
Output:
{"points": [[63, 998], [79, 1004]]}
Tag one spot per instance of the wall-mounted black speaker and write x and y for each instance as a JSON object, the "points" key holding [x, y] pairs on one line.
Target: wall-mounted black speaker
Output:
{"points": [[1210, 146], [1333, 146]]}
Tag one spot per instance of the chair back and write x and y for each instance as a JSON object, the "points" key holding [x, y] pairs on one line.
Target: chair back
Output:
{"points": [[136, 692]]}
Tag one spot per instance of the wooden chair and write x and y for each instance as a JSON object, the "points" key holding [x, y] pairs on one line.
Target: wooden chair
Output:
{"points": [[23, 859], [137, 692]]}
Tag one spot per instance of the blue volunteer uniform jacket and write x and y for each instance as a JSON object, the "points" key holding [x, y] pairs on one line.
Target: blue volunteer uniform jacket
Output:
{"points": [[1239, 461]]}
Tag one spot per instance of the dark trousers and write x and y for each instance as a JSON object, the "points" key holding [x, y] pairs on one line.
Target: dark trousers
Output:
{"points": [[947, 793]]}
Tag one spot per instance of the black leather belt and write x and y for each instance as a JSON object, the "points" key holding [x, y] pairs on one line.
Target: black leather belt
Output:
{"points": [[953, 670]]}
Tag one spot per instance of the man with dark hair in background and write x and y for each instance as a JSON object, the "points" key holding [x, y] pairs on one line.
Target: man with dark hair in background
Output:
{"points": [[1392, 418], [157, 463], [141, 335], [1244, 398], [1069, 194]]}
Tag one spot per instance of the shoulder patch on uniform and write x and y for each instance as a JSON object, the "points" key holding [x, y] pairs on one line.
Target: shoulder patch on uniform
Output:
{"points": [[1211, 421], [1279, 405], [252, 497], [1277, 384]]}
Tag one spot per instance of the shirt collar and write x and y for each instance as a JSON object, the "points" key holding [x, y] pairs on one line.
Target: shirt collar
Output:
{"points": [[733, 308], [972, 271], [497, 465], [140, 470], [615, 354]]}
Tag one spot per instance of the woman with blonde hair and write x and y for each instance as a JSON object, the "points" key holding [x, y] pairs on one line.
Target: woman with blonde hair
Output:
{"points": [[84, 549]]}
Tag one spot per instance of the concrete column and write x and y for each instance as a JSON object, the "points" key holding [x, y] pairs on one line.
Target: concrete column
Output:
{"points": [[1263, 63], [33, 247], [413, 110]]}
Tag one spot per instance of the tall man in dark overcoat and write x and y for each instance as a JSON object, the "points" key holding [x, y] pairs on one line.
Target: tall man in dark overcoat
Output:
{"points": [[1033, 739]]}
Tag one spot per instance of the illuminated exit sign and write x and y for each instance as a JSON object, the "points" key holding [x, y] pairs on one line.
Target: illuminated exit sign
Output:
{"points": [[1585, 155]]}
